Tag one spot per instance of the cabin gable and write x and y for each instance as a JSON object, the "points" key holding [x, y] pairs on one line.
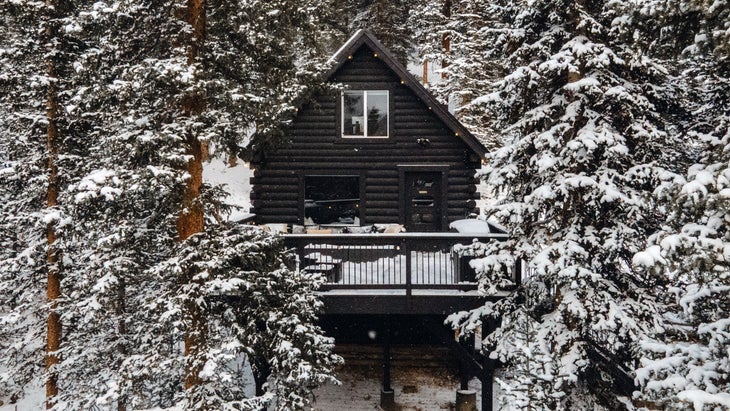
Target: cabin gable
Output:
{"points": [[420, 175]]}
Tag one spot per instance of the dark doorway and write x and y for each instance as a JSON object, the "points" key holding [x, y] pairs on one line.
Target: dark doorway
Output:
{"points": [[423, 201]]}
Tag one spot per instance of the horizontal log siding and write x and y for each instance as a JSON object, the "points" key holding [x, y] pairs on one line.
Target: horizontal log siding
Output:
{"points": [[315, 146]]}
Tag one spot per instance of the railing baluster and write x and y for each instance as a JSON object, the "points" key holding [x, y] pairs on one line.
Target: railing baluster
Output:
{"points": [[381, 274], [407, 252], [391, 267]]}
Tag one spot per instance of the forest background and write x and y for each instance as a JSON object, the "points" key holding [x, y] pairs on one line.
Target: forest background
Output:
{"points": [[608, 129]]}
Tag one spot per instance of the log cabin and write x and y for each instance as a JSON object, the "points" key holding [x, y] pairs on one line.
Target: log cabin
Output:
{"points": [[380, 153]]}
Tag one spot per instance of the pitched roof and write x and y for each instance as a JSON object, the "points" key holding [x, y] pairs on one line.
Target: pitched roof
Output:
{"points": [[365, 37]]}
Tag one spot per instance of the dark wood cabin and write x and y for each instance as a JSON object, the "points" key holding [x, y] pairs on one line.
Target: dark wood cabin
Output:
{"points": [[381, 151]]}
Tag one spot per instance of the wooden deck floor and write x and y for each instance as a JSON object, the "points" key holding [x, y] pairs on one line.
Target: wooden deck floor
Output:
{"points": [[439, 302]]}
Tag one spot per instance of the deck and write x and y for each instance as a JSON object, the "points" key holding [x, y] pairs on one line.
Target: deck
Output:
{"points": [[404, 273]]}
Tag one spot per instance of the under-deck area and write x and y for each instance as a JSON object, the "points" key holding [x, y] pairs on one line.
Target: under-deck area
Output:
{"points": [[401, 355]]}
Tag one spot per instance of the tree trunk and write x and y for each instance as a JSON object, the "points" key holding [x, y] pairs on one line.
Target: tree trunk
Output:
{"points": [[445, 38], [53, 267], [53, 285], [190, 220]]}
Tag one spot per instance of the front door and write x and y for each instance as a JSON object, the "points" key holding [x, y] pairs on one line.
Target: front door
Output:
{"points": [[423, 201]]}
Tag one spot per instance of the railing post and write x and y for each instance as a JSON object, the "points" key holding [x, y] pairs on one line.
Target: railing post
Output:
{"points": [[300, 254], [407, 251]]}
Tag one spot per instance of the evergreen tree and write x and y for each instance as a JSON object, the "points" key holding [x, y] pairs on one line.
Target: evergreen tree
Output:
{"points": [[586, 141], [387, 20], [125, 203], [257, 311], [458, 36], [39, 153], [529, 384], [687, 365], [22, 192], [434, 27]]}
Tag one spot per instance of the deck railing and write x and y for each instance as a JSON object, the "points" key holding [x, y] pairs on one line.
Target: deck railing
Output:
{"points": [[403, 261]]}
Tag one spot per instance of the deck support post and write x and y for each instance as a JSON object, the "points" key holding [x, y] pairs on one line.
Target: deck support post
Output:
{"points": [[387, 395], [463, 375], [487, 378], [465, 371], [466, 399]]}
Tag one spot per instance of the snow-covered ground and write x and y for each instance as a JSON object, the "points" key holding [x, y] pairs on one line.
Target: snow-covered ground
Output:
{"points": [[359, 391], [423, 389]]}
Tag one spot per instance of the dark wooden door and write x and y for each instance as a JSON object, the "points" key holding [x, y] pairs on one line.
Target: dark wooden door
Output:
{"points": [[423, 199]]}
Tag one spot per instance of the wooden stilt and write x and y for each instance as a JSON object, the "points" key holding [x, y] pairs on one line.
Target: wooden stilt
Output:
{"points": [[486, 378], [467, 355], [463, 375], [386, 367], [387, 395]]}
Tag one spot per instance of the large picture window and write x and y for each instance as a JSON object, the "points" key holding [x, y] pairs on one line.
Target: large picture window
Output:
{"points": [[365, 113], [331, 199]]}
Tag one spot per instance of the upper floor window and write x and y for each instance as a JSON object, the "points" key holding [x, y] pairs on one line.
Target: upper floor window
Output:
{"points": [[365, 113]]}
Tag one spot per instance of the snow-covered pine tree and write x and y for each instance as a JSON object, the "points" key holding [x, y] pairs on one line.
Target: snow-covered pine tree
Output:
{"points": [[39, 152], [387, 19], [529, 382], [586, 141], [252, 65], [258, 313], [687, 365], [434, 25], [124, 203], [470, 64], [22, 192]]}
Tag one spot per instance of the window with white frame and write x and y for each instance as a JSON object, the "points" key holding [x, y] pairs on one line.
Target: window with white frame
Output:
{"points": [[365, 113]]}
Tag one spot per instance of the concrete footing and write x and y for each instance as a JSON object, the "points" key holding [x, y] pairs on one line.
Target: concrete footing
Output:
{"points": [[466, 400], [387, 399]]}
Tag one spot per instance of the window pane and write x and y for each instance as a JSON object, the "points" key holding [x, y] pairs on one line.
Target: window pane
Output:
{"points": [[352, 113], [377, 113], [331, 199]]}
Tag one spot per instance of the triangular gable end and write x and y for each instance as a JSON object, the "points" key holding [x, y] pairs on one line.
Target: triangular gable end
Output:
{"points": [[365, 38]]}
